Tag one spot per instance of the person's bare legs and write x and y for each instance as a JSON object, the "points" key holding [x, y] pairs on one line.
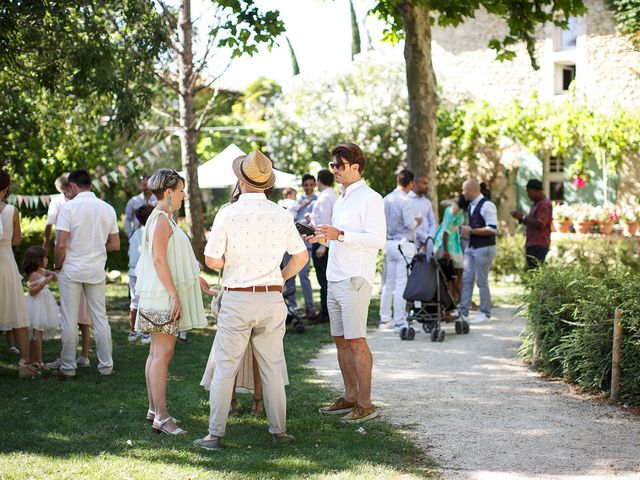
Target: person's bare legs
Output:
{"points": [[347, 364], [258, 406], [147, 368], [36, 348], [21, 337], [132, 320], [457, 285], [161, 358], [85, 331], [363, 362]]}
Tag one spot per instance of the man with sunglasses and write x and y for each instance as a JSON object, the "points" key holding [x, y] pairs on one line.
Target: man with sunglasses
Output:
{"points": [[357, 233]]}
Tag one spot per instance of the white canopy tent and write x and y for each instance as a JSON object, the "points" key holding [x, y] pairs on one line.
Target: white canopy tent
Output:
{"points": [[218, 172]]}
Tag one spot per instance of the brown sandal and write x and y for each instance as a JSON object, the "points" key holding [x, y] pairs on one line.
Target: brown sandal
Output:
{"points": [[257, 406]]}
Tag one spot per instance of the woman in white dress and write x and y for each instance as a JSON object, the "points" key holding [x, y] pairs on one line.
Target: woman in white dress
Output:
{"points": [[168, 284], [14, 310]]}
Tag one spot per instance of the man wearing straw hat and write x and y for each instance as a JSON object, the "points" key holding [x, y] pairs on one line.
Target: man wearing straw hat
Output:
{"points": [[248, 239]]}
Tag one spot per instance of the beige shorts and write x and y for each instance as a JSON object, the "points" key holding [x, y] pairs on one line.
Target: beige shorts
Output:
{"points": [[348, 305]]}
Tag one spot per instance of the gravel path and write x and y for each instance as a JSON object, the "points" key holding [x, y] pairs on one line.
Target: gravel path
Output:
{"points": [[483, 414]]}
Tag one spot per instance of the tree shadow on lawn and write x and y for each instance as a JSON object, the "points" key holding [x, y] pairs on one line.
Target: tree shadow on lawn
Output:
{"points": [[94, 416]]}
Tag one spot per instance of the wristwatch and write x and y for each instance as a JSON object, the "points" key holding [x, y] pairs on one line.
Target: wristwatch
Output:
{"points": [[341, 236]]}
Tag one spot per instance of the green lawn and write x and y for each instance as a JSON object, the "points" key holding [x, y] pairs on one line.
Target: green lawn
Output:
{"points": [[94, 427]]}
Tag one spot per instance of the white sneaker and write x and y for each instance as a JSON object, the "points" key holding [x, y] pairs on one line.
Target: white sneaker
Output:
{"points": [[481, 317], [145, 338], [55, 365], [385, 325], [133, 336], [83, 362]]}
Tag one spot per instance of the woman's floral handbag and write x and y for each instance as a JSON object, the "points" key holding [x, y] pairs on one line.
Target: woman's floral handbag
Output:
{"points": [[157, 321]]}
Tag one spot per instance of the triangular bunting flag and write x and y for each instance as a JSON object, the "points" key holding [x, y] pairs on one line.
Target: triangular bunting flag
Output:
{"points": [[96, 184], [139, 162], [114, 176], [20, 200], [45, 199], [130, 166], [122, 170], [104, 180]]}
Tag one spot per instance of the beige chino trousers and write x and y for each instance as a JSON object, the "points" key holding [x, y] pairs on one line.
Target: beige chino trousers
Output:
{"points": [[258, 318]]}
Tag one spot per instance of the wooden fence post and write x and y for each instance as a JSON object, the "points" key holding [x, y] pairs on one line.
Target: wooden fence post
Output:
{"points": [[615, 355]]}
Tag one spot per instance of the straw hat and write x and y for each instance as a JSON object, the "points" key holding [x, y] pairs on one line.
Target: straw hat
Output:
{"points": [[255, 169]]}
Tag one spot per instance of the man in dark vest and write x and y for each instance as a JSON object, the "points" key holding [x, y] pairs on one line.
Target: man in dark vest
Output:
{"points": [[481, 250]]}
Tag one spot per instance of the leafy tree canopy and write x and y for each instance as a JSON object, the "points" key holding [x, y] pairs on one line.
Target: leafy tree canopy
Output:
{"points": [[521, 17], [627, 15]]}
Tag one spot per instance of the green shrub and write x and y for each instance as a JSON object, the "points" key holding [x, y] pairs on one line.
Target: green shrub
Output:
{"points": [[510, 255], [32, 234], [570, 308]]}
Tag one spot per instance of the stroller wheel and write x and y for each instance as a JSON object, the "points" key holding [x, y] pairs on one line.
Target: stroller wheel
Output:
{"points": [[427, 327], [441, 336], [403, 333], [299, 327], [465, 327], [411, 333], [435, 333], [459, 328]]}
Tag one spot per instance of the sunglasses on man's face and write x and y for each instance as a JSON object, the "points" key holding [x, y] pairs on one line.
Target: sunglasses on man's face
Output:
{"points": [[337, 165]]}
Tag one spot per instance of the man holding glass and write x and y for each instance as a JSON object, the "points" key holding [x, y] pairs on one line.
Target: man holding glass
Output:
{"points": [[357, 233]]}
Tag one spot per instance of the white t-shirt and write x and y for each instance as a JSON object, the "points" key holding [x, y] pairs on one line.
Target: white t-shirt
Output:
{"points": [[359, 212], [253, 234], [89, 222]]}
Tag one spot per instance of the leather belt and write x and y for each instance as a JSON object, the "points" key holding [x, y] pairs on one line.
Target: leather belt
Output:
{"points": [[398, 240], [256, 289]]}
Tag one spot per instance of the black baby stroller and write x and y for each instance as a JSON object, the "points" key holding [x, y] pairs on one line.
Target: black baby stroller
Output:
{"points": [[293, 316], [428, 298]]}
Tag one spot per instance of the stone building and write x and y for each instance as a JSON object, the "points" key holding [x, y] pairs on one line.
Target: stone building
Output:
{"points": [[597, 62]]}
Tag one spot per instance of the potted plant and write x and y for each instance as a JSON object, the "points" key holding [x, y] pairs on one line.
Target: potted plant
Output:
{"points": [[562, 218], [582, 217], [605, 218], [630, 218]]}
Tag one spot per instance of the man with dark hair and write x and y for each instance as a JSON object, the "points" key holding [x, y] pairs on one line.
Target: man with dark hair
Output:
{"points": [[301, 211], [88, 229], [356, 234], [145, 197], [423, 209], [400, 249], [538, 223], [321, 215]]}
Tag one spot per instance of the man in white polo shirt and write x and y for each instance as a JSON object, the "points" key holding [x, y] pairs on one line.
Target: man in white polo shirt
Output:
{"points": [[248, 239], [87, 231], [357, 233]]}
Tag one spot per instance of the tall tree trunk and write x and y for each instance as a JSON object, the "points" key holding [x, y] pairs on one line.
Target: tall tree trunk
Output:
{"points": [[355, 31], [188, 133], [295, 67], [423, 99]]}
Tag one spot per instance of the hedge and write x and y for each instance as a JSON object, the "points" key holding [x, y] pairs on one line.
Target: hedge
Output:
{"points": [[570, 307], [32, 234]]}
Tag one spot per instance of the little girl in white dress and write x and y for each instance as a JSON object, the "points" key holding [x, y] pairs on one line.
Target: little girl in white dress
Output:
{"points": [[42, 308]]}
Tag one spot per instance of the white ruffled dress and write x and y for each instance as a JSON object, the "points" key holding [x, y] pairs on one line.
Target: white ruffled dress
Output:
{"points": [[184, 271], [43, 311]]}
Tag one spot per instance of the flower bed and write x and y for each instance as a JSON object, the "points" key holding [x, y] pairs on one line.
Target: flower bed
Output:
{"points": [[587, 219]]}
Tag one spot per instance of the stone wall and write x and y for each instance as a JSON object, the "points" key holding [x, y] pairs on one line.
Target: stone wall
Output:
{"points": [[608, 68]]}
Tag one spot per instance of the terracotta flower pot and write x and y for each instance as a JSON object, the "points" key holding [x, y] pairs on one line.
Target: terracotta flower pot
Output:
{"points": [[606, 228], [584, 227], [630, 228], [562, 226]]}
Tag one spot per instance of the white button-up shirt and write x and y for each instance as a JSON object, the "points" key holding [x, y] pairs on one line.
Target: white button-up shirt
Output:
{"points": [[131, 223], [359, 212], [252, 234], [54, 208], [322, 210], [423, 208], [89, 222], [488, 211]]}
